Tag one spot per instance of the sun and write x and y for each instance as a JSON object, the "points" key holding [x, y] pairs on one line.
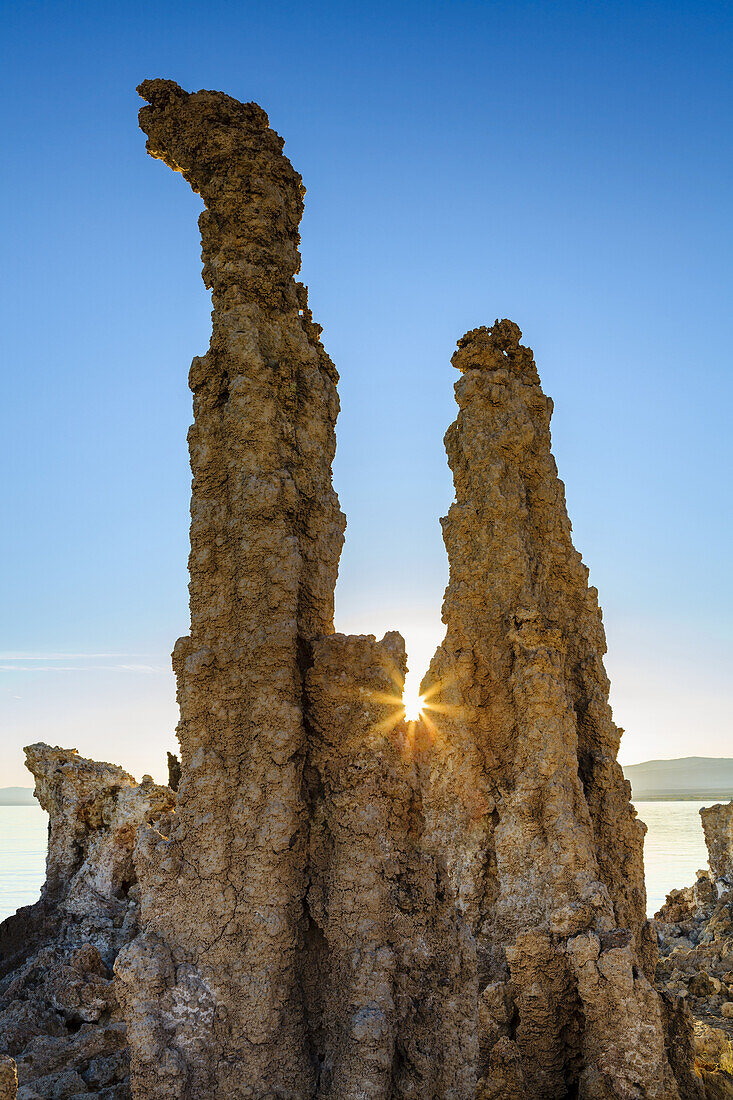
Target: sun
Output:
{"points": [[412, 701]]}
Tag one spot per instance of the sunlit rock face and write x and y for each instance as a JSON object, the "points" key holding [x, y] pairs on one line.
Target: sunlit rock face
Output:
{"points": [[526, 800], [224, 886], [60, 1020], [8, 1078], [254, 926]]}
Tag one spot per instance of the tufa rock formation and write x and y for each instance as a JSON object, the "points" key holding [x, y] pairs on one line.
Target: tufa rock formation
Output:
{"points": [[526, 799], [223, 888], [695, 930], [266, 966], [341, 905], [393, 980], [174, 771], [717, 823], [382, 940], [60, 1021]]}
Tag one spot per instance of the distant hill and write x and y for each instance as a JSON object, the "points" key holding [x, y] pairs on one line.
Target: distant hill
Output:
{"points": [[17, 796], [692, 777]]}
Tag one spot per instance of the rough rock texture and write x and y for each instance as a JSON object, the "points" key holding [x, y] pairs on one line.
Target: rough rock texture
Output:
{"points": [[8, 1078], [717, 823], [695, 933], [223, 890], [393, 973], [59, 1016], [222, 990], [527, 801]]}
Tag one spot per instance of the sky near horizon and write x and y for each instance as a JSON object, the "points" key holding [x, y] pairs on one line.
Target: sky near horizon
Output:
{"points": [[566, 165]]}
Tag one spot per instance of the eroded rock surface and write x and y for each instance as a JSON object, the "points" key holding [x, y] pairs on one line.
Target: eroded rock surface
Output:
{"points": [[223, 888], [527, 800], [717, 823], [60, 1020], [392, 991], [695, 932], [248, 918]]}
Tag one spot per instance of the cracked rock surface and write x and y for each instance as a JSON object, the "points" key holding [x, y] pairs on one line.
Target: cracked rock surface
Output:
{"points": [[393, 968]]}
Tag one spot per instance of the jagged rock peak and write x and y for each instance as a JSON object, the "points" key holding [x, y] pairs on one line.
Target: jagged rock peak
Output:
{"points": [[94, 810]]}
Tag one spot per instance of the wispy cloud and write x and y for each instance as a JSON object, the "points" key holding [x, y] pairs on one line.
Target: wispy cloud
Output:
{"points": [[16, 655], [52, 662]]}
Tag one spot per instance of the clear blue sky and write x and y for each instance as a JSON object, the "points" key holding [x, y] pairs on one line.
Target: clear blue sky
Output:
{"points": [[563, 164]]}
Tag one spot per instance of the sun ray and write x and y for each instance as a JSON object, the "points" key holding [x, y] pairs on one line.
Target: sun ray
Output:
{"points": [[413, 702]]}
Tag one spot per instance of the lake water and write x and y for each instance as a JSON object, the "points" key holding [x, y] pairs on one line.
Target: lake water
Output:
{"points": [[23, 839], [674, 850]]}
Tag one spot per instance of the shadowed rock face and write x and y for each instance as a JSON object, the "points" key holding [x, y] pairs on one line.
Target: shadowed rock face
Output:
{"points": [[394, 1000], [526, 799], [248, 919]]}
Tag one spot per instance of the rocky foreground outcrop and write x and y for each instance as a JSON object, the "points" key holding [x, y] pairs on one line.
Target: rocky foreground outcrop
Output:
{"points": [[339, 904], [695, 930], [61, 1028]]}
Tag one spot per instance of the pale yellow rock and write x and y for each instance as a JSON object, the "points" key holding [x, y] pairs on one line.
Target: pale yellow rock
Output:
{"points": [[8, 1078]]}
